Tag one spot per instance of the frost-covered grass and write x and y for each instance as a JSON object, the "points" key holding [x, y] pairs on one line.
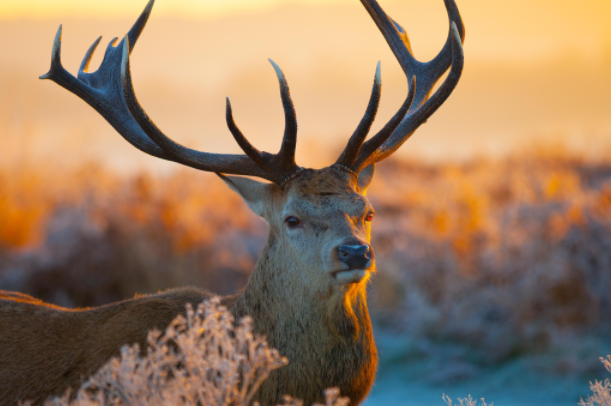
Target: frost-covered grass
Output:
{"points": [[468, 401], [601, 390], [601, 393]]}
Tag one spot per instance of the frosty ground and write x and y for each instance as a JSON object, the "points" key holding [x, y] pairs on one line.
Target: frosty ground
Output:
{"points": [[421, 382]]}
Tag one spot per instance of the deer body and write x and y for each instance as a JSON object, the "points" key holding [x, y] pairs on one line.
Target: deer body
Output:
{"points": [[46, 350], [59, 348], [307, 294]]}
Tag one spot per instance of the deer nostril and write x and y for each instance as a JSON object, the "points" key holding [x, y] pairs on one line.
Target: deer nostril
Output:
{"points": [[354, 256]]}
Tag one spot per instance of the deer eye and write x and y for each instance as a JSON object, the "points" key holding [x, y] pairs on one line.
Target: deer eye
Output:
{"points": [[293, 222], [369, 217]]}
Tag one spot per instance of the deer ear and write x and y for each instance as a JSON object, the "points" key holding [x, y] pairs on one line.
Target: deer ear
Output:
{"points": [[254, 193], [365, 178]]}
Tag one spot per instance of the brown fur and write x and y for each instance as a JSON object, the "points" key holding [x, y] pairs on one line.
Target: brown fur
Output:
{"points": [[322, 326]]}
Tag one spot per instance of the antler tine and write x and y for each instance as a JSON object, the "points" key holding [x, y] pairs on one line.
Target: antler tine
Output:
{"points": [[380, 138], [56, 57], [445, 55], [136, 30], [88, 55], [289, 141], [252, 152], [351, 151]]}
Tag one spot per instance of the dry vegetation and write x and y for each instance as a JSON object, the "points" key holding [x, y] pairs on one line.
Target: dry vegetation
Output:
{"points": [[601, 391], [498, 259], [505, 258], [468, 401]]}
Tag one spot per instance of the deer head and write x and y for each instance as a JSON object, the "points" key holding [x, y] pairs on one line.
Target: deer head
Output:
{"points": [[320, 224], [318, 254]]}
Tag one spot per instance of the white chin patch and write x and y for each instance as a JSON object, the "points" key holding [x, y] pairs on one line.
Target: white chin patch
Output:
{"points": [[354, 276]]}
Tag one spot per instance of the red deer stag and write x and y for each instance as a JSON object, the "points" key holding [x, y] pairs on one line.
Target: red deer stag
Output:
{"points": [[307, 293]]}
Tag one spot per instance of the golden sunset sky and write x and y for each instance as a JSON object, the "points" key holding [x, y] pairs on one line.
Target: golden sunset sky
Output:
{"points": [[537, 71], [125, 8], [596, 9]]}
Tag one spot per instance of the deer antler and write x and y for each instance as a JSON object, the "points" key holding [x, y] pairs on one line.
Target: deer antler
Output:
{"points": [[418, 107], [110, 92]]}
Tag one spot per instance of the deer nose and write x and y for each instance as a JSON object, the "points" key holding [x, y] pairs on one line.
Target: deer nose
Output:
{"points": [[355, 256]]}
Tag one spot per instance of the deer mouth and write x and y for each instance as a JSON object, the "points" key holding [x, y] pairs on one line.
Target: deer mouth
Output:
{"points": [[346, 277]]}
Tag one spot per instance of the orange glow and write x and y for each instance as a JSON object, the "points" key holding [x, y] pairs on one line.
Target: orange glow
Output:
{"points": [[520, 28], [455, 205]]}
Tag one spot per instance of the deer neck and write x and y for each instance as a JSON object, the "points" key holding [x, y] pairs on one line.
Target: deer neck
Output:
{"points": [[325, 333]]}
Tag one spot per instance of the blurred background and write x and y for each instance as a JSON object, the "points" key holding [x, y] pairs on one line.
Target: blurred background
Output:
{"points": [[493, 230]]}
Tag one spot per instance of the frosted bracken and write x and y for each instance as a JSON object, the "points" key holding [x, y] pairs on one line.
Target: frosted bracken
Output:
{"points": [[200, 359], [601, 391], [464, 402]]}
